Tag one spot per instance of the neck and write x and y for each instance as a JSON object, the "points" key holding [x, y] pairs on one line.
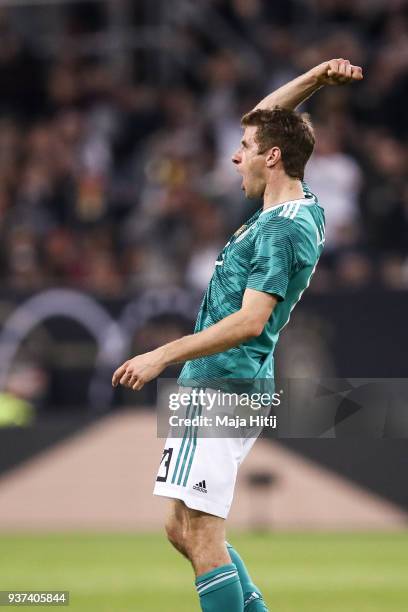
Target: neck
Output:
{"points": [[282, 191]]}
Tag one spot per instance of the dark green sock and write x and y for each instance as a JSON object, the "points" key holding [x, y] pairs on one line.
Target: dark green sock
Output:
{"points": [[253, 601], [220, 590]]}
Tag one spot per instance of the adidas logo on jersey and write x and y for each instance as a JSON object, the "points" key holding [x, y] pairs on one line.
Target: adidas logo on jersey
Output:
{"points": [[201, 486]]}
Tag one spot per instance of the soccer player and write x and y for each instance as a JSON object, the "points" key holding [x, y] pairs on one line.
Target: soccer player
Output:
{"points": [[258, 278]]}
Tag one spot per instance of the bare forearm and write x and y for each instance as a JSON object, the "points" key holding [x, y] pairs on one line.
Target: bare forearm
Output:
{"points": [[227, 333], [231, 331], [293, 93], [331, 72]]}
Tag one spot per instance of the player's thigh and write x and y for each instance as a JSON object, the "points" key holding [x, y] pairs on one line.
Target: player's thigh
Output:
{"points": [[176, 519], [192, 522]]}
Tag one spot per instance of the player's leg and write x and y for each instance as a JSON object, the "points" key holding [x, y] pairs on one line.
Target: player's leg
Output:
{"points": [[181, 522], [206, 546], [200, 474], [253, 600], [201, 537], [176, 526]]}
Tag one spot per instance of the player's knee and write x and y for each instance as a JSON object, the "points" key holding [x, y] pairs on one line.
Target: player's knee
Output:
{"points": [[172, 531], [175, 534], [202, 536]]}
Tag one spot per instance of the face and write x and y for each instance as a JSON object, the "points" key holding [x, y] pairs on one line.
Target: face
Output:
{"points": [[251, 165]]}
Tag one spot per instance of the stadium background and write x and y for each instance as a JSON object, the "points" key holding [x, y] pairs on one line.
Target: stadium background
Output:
{"points": [[117, 124]]}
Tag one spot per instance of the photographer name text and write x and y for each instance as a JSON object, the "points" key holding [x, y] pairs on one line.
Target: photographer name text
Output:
{"points": [[235, 422]]}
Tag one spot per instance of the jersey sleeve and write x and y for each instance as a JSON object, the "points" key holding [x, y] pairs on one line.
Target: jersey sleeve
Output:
{"points": [[274, 259]]}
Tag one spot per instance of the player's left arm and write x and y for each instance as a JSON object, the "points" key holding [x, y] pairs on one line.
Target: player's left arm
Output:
{"points": [[231, 331]]}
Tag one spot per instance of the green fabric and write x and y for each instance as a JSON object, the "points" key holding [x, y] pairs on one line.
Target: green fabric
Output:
{"points": [[276, 252], [255, 605], [185, 438], [252, 595], [220, 590]]}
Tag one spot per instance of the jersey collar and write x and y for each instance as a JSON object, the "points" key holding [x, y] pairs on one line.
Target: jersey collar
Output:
{"points": [[300, 200]]}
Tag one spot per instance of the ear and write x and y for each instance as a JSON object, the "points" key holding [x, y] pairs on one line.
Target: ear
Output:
{"points": [[273, 156]]}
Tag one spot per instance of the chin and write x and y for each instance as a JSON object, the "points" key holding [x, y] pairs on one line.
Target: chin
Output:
{"points": [[253, 191], [252, 195]]}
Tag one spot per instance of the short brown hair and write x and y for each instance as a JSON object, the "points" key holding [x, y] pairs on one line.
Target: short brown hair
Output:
{"points": [[292, 132]]}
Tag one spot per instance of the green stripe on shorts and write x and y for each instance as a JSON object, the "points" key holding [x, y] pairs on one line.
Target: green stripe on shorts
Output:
{"points": [[193, 449], [173, 480], [186, 453]]}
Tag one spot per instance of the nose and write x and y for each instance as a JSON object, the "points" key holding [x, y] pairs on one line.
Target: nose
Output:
{"points": [[236, 158]]}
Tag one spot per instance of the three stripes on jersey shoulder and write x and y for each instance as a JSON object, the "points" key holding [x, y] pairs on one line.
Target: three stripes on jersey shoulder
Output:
{"points": [[320, 235], [290, 210]]}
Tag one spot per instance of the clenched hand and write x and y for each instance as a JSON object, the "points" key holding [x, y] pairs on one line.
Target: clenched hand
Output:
{"points": [[337, 72]]}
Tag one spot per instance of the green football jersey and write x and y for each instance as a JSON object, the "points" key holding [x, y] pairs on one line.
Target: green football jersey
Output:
{"points": [[276, 251]]}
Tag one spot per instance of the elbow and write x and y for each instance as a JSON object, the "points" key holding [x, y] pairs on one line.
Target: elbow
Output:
{"points": [[254, 329], [258, 329]]}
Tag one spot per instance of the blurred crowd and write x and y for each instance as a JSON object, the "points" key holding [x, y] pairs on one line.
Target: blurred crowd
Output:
{"points": [[112, 180]]}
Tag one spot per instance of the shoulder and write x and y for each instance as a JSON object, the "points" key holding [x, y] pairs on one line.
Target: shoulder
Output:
{"points": [[279, 222], [295, 223], [274, 229]]}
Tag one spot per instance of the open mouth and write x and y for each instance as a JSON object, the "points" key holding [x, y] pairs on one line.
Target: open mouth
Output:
{"points": [[243, 181]]}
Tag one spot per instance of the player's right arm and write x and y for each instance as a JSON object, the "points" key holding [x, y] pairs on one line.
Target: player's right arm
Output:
{"points": [[332, 72], [238, 327]]}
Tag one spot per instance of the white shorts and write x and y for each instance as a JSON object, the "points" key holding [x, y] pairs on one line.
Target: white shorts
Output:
{"points": [[202, 471]]}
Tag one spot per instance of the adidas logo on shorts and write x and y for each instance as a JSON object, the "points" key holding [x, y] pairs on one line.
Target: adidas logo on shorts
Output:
{"points": [[201, 486]]}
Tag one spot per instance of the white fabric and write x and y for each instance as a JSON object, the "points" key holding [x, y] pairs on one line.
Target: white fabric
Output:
{"points": [[211, 459], [216, 461]]}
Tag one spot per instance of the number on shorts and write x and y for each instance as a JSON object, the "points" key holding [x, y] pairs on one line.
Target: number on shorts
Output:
{"points": [[164, 465]]}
